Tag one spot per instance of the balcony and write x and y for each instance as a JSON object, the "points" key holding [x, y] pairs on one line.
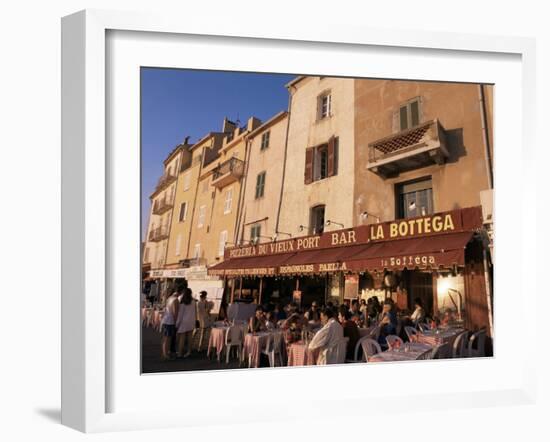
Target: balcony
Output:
{"points": [[158, 234], [162, 206], [228, 172], [164, 181], [410, 149]]}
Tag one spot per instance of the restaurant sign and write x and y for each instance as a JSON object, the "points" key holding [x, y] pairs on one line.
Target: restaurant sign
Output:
{"points": [[446, 222]]}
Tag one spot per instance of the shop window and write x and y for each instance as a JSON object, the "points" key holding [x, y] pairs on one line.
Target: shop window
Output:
{"points": [[317, 220], [260, 185], [321, 161], [255, 232], [265, 140], [414, 198]]}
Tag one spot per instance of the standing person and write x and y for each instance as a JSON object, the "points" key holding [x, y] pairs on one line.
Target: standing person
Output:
{"points": [[168, 325], [185, 324], [351, 331], [203, 310], [328, 336]]}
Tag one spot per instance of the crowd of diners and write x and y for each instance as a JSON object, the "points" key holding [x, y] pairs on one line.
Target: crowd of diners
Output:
{"points": [[325, 324]]}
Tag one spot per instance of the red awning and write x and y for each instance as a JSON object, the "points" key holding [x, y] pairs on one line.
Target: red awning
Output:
{"points": [[432, 251], [252, 265], [426, 252]]}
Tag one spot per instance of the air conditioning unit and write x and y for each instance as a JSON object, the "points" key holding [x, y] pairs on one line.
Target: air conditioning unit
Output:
{"points": [[487, 199]]}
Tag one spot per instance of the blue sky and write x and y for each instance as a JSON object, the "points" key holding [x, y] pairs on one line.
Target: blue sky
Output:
{"points": [[176, 103]]}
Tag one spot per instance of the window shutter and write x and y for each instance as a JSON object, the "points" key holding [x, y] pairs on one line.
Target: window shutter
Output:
{"points": [[395, 122], [331, 157], [308, 172]]}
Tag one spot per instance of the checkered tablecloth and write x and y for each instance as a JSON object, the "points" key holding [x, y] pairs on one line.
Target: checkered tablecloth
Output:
{"points": [[299, 354], [254, 343]]}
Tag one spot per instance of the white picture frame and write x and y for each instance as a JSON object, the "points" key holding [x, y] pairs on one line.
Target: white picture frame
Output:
{"points": [[87, 214]]}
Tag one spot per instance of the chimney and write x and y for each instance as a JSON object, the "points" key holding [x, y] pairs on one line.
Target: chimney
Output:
{"points": [[253, 123]]}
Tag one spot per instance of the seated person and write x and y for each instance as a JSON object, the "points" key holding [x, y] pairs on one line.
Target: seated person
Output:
{"points": [[257, 322], [355, 310], [327, 337], [270, 321], [313, 313], [388, 323], [419, 315], [293, 330], [351, 331]]}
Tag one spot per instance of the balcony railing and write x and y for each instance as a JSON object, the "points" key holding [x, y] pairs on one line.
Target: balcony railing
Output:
{"points": [[228, 172], [164, 181], [420, 146], [158, 234], [162, 206]]}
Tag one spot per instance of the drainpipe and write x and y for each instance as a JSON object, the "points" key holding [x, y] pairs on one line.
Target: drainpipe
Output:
{"points": [[284, 160], [242, 191], [486, 142], [195, 198]]}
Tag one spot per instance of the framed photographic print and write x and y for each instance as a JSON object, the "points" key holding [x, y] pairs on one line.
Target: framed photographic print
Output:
{"points": [[268, 209]]}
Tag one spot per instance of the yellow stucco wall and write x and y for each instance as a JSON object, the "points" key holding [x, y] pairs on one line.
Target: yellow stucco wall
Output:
{"points": [[306, 131]]}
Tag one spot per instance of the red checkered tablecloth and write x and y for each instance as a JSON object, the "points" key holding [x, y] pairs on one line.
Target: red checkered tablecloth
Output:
{"points": [[254, 343], [299, 354]]}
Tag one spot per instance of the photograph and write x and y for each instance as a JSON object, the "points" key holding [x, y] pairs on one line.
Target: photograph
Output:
{"points": [[297, 220]]}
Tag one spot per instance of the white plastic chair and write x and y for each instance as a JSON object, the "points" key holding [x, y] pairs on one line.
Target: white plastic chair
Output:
{"points": [[370, 348], [442, 351], [358, 346], [477, 339], [411, 332], [274, 347], [233, 338], [460, 345], [391, 339], [424, 327], [339, 350]]}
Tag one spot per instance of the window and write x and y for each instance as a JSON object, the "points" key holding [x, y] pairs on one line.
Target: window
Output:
{"points": [[321, 161], [228, 201], [178, 245], [202, 215], [183, 212], [223, 241], [197, 251], [265, 140], [324, 106], [260, 185], [205, 185], [414, 198], [146, 255], [317, 220], [187, 181], [409, 115], [255, 232]]}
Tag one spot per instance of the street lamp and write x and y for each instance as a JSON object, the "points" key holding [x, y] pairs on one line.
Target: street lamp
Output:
{"points": [[365, 215], [329, 222]]}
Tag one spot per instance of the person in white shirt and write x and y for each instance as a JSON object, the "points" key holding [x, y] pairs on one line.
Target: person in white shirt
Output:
{"points": [[185, 324], [329, 335]]}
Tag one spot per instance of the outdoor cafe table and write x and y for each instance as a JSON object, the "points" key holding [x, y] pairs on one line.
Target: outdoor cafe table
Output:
{"points": [[439, 336], [254, 343], [407, 352], [299, 354], [217, 339]]}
